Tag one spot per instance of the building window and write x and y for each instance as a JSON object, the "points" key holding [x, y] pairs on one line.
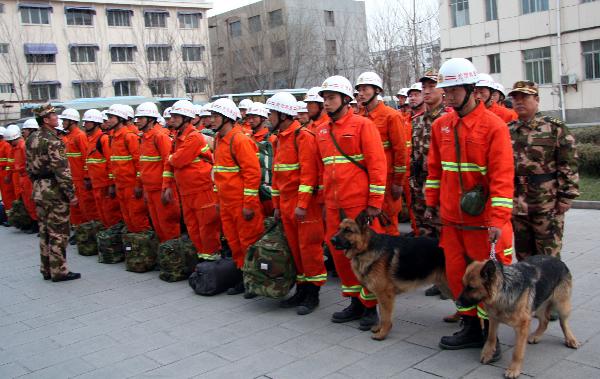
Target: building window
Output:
{"points": [[79, 16], [161, 87], [86, 89], [278, 49], [40, 58], [538, 65], [587, 1], [191, 53], [531, 6], [491, 10], [125, 87], [3, 48], [235, 29], [494, 61], [155, 19], [254, 24], [35, 15], [118, 17], [280, 79], [158, 53], [1, 8], [189, 20], [330, 47], [329, 18], [43, 92], [459, 9], [83, 54], [7, 88], [120, 54], [257, 53], [591, 58], [275, 18], [194, 85]]}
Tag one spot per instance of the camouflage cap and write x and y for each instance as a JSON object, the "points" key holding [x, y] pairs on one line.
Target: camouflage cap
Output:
{"points": [[524, 86], [44, 110], [430, 74]]}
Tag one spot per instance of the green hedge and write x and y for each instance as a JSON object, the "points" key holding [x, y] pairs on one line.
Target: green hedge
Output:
{"points": [[587, 134], [589, 158]]}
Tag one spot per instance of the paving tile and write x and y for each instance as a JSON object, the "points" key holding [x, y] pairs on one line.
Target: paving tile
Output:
{"points": [[451, 364], [188, 367], [12, 370], [67, 369], [124, 369], [243, 347], [567, 369], [253, 366]]}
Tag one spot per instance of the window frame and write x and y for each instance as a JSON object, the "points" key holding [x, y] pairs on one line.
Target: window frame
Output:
{"points": [[454, 13], [131, 84], [29, 58], [48, 88], [540, 68], [329, 21], [4, 48], [78, 50], [120, 12], [238, 28], [328, 49], [74, 15], [162, 50], [275, 22], [491, 10], [158, 82], [252, 24], [201, 82], [185, 53], [593, 55], [9, 86], [534, 6], [183, 25], [82, 88], [274, 49], [40, 12], [494, 63], [160, 16], [129, 50]]}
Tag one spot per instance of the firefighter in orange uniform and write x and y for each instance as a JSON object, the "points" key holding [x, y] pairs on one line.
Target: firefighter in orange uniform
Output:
{"points": [[125, 167], [29, 126], [243, 107], [316, 112], [485, 89], [354, 178], [237, 180], [473, 190], [6, 188], [393, 138], [98, 177], [190, 164], [155, 150]]}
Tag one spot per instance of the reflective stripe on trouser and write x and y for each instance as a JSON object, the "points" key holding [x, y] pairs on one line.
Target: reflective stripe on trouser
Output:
{"points": [[240, 234], [305, 239], [108, 209], [391, 208], [165, 218], [26, 196], [134, 211], [202, 222], [87, 203], [53, 221], [7, 190], [458, 244], [350, 285]]}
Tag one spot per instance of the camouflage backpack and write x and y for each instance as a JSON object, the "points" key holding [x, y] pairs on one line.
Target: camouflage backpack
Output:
{"points": [[140, 251], [85, 236], [269, 266], [110, 244], [177, 259], [19, 217]]}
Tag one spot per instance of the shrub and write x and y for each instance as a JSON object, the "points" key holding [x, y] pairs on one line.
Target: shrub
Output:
{"points": [[589, 158], [587, 134]]}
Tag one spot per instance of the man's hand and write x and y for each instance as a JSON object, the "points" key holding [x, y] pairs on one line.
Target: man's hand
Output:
{"points": [[248, 214], [300, 213], [112, 191], [138, 192], [373, 212], [74, 202], [494, 234], [396, 191], [167, 196], [561, 208], [277, 214], [87, 184]]}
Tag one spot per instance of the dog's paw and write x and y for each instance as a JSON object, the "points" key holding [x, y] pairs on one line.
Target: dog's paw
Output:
{"points": [[486, 355], [379, 336], [572, 343], [533, 339], [376, 328], [512, 373]]}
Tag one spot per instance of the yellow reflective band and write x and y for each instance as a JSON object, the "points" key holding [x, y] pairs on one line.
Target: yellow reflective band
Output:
{"points": [[119, 158], [95, 160], [111, 176], [300, 278], [227, 169], [3, 159], [10, 160], [205, 149], [250, 192], [305, 189], [341, 159], [215, 189], [464, 167], [465, 309], [408, 144], [198, 159], [482, 313], [379, 190], [73, 155], [399, 169], [364, 296], [167, 174], [279, 167], [257, 155], [432, 183], [150, 158], [85, 167], [508, 251], [316, 278], [138, 174], [386, 144], [7, 168], [502, 202], [351, 289], [274, 192], [207, 257]]}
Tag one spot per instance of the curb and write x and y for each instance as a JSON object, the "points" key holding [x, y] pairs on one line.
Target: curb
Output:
{"points": [[585, 204]]}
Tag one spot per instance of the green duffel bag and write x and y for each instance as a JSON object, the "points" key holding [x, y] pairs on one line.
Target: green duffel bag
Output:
{"points": [[19, 217], [85, 236], [269, 265], [110, 244], [140, 251], [177, 259]]}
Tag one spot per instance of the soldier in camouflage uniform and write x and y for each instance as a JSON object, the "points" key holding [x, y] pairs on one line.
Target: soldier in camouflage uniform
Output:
{"points": [[546, 178], [53, 191]]}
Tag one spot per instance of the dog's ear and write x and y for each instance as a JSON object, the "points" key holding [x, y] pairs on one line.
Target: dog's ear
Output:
{"points": [[362, 220], [488, 271]]}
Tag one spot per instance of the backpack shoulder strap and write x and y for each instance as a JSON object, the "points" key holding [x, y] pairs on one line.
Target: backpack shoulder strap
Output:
{"points": [[231, 149]]}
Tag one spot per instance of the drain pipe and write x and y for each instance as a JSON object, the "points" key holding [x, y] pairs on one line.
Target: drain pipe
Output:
{"points": [[561, 93]]}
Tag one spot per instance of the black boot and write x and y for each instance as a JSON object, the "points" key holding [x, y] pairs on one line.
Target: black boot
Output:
{"points": [[69, 276], [368, 319], [432, 291], [469, 336], [311, 300], [296, 299], [352, 312], [72, 240], [237, 289]]}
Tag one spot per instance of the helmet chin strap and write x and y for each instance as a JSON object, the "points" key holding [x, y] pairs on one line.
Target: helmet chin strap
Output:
{"points": [[344, 104], [413, 107], [469, 91], [143, 128], [315, 118]]}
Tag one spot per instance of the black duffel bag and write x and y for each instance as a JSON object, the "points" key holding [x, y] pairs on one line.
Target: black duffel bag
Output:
{"points": [[213, 277]]}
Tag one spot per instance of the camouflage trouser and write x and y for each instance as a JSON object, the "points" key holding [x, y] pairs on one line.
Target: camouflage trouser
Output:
{"points": [[54, 236], [539, 234], [418, 207]]}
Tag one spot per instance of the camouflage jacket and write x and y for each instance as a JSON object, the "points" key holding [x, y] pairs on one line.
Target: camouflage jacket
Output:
{"points": [[545, 146], [421, 139], [48, 168]]}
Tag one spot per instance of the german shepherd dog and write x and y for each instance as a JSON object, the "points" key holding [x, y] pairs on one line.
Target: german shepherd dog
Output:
{"points": [[512, 293], [388, 265]]}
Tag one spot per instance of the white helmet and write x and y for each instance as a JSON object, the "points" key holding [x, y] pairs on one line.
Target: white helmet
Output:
{"points": [[148, 109], [456, 72], [403, 92], [198, 109], [118, 110], [12, 132], [104, 115], [130, 112], [167, 113], [70, 114], [484, 80], [60, 127], [370, 78], [245, 104], [283, 102], [313, 95], [418, 86], [93, 115], [338, 84], [204, 110], [500, 88], [184, 108], [353, 102], [258, 109], [302, 107], [161, 120], [227, 108], [2, 130], [30, 124]]}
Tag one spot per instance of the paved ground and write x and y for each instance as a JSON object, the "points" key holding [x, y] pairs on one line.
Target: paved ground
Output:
{"points": [[113, 324]]}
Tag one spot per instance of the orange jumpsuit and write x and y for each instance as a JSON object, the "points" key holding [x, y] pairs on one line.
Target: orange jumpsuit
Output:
{"points": [[98, 170], [507, 115], [76, 150], [295, 184], [155, 149], [485, 159], [21, 182], [393, 139], [125, 166], [348, 189], [6, 163], [237, 178], [258, 137]]}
